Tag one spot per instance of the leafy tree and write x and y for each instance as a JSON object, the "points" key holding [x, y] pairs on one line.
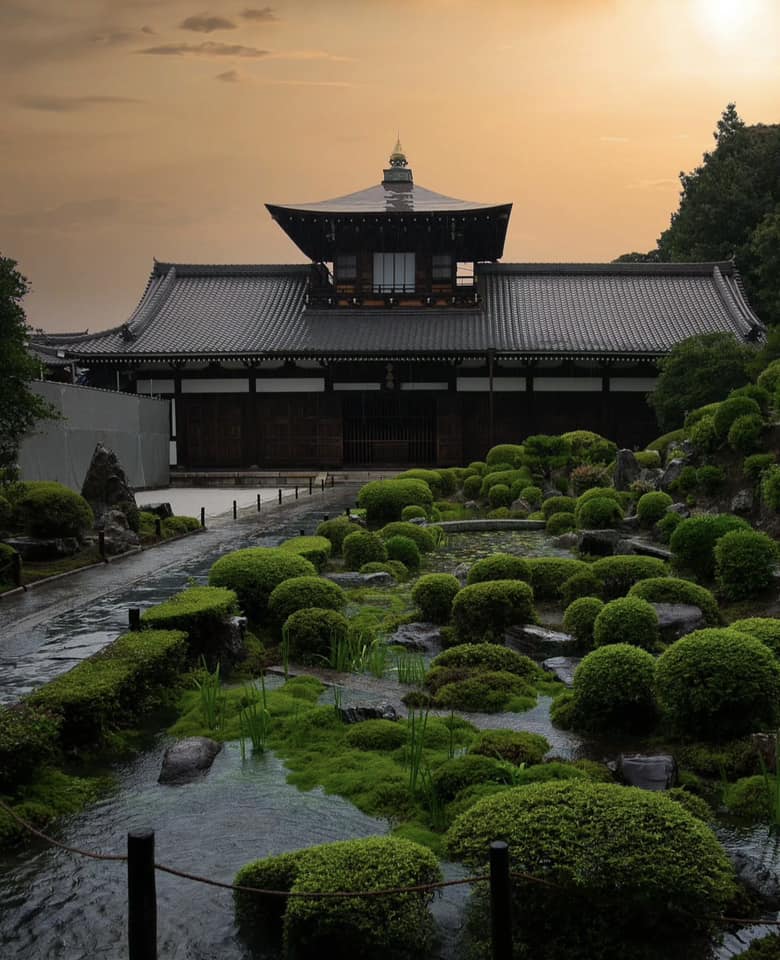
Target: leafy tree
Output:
{"points": [[19, 406], [698, 370]]}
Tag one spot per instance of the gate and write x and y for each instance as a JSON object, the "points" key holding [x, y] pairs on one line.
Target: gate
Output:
{"points": [[388, 429]]}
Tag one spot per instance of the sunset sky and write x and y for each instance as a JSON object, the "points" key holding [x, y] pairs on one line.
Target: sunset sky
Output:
{"points": [[140, 128]]}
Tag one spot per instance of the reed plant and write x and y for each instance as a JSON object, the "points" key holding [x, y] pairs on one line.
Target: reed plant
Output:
{"points": [[431, 800], [417, 722], [338, 698], [254, 719], [212, 699], [410, 668]]}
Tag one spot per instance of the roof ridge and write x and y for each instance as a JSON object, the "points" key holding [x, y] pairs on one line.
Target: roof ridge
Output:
{"points": [[161, 268], [736, 307], [642, 268]]}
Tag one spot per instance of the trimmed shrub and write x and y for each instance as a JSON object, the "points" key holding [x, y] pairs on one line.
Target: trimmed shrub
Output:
{"points": [[560, 523], [506, 453], [316, 550], [486, 692], [433, 595], [514, 746], [667, 525], [622, 572], [376, 735], [432, 477], [300, 593], [694, 804], [461, 772], [558, 505], [396, 569], [413, 513], [510, 478], [605, 898], [548, 575], [312, 633], [28, 739], [472, 487], [499, 566], [693, 542], [387, 927], [200, 612], [7, 555], [686, 482], [422, 536], [500, 513], [744, 563], [478, 466], [483, 611], [405, 550], [648, 459], [177, 526], [745, 433], [579, 617], [594, 492], [770, 488], [627, 620], [598, 513], [729, 410], [750, 797], [651, 507], [765, 629], [532, 495], [50, 509], [754, 465], [613, 690], [336, 530], [383, 500], [363, 547], [487, 656], [500, 495], [762, 397], [255, 572], [673, 590], [703, 435], [710, 479], [114, 687], [585, 584], [589, 446], [718, 683]]}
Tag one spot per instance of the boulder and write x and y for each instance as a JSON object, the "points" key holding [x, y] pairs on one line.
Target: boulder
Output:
{"points": [[675, 620], [627, 469], [359, 712], [349, 580], [681, 508], [657, 772], [567, 541], [32, 549], [105, 485], [563, 668], [742, 501], [766, 745], [520, 506], [162, 510], [119, 538], [417, 636], [188, 760], [470, 505], [671, 474], [461, 573], [598, 543], [651, 476], [539, 642], [759, 879], [645, 549], [630, 523]]}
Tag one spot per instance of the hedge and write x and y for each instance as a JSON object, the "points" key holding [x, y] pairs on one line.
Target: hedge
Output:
{"points": [[622, 572], [50, 509], [115, 686], [29, 738], [628, 869], [200, 612], [613, 690], [433, 595], [499, 566], [548, 575], [383, 500], [674, 590], [579, 618], [363, 547], [745, 563], [300, 593], [316, 550], [483, 611], [254, 572], [719, 683], [627, 620], [312, 633], [422, 536]]}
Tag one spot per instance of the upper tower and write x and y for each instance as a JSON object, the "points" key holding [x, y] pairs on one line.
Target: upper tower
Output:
{"points": [[396, 243]]}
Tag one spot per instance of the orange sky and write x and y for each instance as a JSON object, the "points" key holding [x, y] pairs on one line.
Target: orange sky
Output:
{"points": [[140, 128]]}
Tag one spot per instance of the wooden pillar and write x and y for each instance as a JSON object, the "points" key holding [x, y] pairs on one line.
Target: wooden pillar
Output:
{"points": [[252, 441], [491, 356]]}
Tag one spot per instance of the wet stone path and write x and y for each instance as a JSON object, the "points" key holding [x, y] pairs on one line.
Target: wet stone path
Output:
{"points": [[49, 629]]}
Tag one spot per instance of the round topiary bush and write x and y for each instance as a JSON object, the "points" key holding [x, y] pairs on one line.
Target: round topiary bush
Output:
{"points": [[765, 629], [336, 530], [514, 746], [651, 507], [383, 500], [255, 572], [500, 495], [674, 590], [560, 523], [499, 566], [489, 691], [585, 584], [579, 617], [405, 550], [316, 550], [384, 927], [487, 656], [718, 683], [631, 873], [598, 513], [7, 555], [472, 487], [432, 477], [770, 488], [558, 505], [363, 547], [622, 572], [627, 620], [422, 536], [413, 513], [750, 797], [744, 563], [745, 433], [511, 453], [376, 735], [461, 772], [433, 595], [49, 509], [311, 634], [548, 575], [704, 436], [613, 690], [300, 593], [729, 410], [593, 492], [667, 525], [483, 611], [498, 513]]}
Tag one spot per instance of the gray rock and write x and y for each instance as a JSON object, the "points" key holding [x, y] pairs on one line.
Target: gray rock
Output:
{"points": [[105, 484], [598, 543], [470, 505], [657, 772], [520, 506], [624, 548], [627, 469], [563, 668], [742, 501], [349, 580], [766, 745], [32, 549], [645, 549], [755, 875], [681, 508], [357, 713], [417, 636], [630, 523], [651, 476], [567, 541], [671, 474], [188, 760], [233, 643], [461, 573], [119, 538], [675, 620], [162, 510], [539, 642]]}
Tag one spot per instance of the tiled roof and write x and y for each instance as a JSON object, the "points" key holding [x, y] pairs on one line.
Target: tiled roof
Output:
{"points": [[387, 198], [217, 312]]}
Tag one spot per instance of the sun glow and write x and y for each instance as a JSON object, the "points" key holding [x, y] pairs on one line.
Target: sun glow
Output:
{"points": [[724, 19]]}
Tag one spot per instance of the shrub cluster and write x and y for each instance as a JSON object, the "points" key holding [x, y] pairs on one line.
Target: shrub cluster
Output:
{"points": [[316, 550], [514, 746], [499, 566], [300, 593], [200, 612], [765, 629], [484, 611], [584, 584], [433, 595], [558, 505], [336, 530], [403, 549], [487, 656], [651, 507], [29, 738], [383, 500], [667, 525], [754, 465], [693, 542], [432, 478], [461, 772], [548, 575], [413, 513], [613, 690], [627, 620], [560, 523], [488, 691], [311, 634], [511, 453], [472, 487], [500, 495], [422, 536], [730, 410], [598, 513], [579, 618], [363, 547], [620, 573], [745, 433], [673, 590], [49, 509], [376, 735], [744, 563], [255, 572]]}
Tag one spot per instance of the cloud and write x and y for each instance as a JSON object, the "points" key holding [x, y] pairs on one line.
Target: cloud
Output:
{"points": [[209, 48], [614, 139], [263, 15], [59, 104], [148, 30], [308, 83], [663, 183], [206, 24], [98, 212], [229, 76], [310, 55]]}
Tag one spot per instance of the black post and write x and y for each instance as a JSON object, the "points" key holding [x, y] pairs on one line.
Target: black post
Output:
{"points": [[346, 511], [326, 516], [102, 545], [309, 486], [134, 618], [203, 516], [17, 569], [302, 533], [500, 901], [322, 481], [158, 528], [141, 896], [235, 510], [296, 493], [332, 481], [259, 500], [280, 496]]}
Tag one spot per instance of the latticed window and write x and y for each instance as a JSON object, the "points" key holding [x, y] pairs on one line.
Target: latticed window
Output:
{"points": [[394, 272], [441, 267], [346, 266]]}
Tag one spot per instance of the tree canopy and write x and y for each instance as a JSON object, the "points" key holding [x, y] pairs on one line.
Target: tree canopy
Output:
{"points": [[19, 406]]}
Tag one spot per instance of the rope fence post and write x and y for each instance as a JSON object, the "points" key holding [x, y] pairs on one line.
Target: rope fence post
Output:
{"points": [[500, 901], [235, 509], [280, 496], [296, 493], [158, 528], [309, 486], [17, 569], [141, 896], [259, 500], [203, 516], [134, 619], [322, 481]]}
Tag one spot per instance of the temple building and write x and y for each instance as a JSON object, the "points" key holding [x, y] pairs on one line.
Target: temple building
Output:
{"points": [[405, 340]]}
